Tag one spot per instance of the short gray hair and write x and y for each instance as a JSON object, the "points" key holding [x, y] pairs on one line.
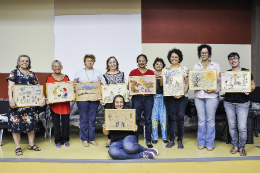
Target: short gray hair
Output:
{"points": [[54, 62]]}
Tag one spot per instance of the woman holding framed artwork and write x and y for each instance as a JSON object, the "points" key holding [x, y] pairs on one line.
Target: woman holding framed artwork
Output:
{"points": [[176, 105], [124, 143], [143, 102], [88, 109], [22, 119], [59, 110], [159, 110], [112, 76], [206, 101], [236, 107]]}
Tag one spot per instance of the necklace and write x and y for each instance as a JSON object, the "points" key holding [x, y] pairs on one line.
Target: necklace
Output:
{"points": [[24, 73], [205, 64], [87, 75]]}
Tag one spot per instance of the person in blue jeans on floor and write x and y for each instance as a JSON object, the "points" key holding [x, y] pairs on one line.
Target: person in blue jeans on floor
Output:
{"points": [[236, 107], [124, 143], [159, 110]]}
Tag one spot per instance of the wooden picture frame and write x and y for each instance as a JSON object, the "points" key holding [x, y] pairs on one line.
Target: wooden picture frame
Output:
{"points": [[27, 95], [142, 84], [120, 119], [173, 82], [109, 91], [87, 91], [236, 81], [60, 91], [203, 79]]}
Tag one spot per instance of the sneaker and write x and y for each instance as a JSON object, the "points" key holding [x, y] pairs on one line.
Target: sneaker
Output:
{"points": [[148, 155], [180, 145], [58, 145], [166, 141], [153, 150], [242, 152], [170, 144], [149, 145], [66, 144], [154, 141]]}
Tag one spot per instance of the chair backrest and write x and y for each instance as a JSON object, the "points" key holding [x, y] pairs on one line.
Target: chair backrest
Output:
{"points": [[254, 96]]}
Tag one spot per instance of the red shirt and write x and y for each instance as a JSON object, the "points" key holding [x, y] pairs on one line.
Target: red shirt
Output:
{"points": [[63, 107], [136, 72]]}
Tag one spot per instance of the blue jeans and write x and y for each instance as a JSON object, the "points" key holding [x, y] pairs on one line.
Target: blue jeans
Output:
{"points": [[159, 112], [175, 109], [140, 103], [237, 119], [88, 112], [206, 110], [128, 148]]}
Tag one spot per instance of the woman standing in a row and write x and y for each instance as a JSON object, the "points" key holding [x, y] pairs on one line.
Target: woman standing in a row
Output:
{"points": [[88, 109], [206, 101], [22, 119], [143, 102], [176, 105], [112, 76]]}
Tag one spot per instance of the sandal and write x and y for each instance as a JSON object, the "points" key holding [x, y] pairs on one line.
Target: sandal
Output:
{"points": [[234, 150], [201, 147], [242, 152], [85, 143], [34, 147], [93, 143], [18, 151]]}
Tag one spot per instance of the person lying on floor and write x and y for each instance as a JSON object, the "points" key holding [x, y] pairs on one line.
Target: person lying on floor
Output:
{"points": [[124, 143]]}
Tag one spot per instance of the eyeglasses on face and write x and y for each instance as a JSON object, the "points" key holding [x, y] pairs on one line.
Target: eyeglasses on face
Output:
{"points": [[141, 60], [204, 53], [233, 58]]}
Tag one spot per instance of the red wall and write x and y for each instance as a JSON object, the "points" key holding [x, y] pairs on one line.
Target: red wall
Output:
{"points": [[196, 21], [4, 84]]}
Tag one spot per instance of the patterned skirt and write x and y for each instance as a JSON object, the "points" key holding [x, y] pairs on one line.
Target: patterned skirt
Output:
{"points": [[22, 120]]}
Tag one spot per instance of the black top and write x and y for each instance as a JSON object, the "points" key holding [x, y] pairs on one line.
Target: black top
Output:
{"points": [[237, 97], [117, 135], [160, 88]]}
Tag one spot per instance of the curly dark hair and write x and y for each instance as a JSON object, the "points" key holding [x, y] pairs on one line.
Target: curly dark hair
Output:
{"points": [[89, 56], [18, 60], [117, 64], [233, 54], [114, 100], [143, 56], [158, 60], [178, 52], [200, 47]]}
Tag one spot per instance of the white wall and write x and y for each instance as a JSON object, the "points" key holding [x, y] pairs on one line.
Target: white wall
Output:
{"points": [[27, 27], [101, 35]]}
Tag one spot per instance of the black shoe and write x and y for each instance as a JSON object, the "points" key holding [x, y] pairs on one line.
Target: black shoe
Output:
{"points": [[149, 145], [170, 144], [180, 145], [166, 141], [154, 141]]}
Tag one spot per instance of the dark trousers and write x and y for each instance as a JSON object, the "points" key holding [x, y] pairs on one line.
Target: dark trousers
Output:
{"points": [[175, 110], [64, 137], [143, 103], [88, 112], [108, 106]]}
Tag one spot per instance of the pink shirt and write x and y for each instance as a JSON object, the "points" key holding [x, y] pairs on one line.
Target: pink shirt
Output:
{"points": [[202, 93]]}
